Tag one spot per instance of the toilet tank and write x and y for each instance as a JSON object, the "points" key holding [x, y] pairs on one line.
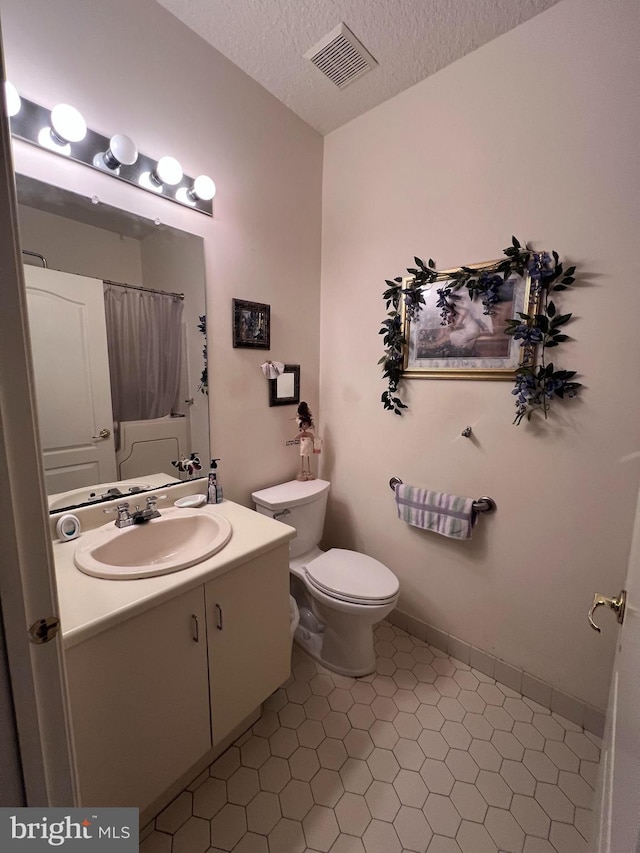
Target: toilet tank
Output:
{"points": [[300, 504]]}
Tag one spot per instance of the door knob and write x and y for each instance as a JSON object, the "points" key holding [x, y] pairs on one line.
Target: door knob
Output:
{"points": [[616, 604], [104, 433]]}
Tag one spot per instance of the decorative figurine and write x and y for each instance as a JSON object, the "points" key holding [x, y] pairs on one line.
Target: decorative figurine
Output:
{"points": [[188, 466], [306, 438]]}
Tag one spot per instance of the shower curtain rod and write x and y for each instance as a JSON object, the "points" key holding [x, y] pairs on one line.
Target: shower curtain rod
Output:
{"points": [[145, 289]]}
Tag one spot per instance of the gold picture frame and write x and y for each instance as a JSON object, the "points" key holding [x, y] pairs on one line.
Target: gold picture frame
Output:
{"points": [[475, 346]]}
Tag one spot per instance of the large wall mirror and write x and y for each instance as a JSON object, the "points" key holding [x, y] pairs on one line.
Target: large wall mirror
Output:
{"points": [[115, 305]]}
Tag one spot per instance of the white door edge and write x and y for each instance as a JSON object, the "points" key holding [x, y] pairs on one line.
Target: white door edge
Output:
{"points": [[27, 581]]}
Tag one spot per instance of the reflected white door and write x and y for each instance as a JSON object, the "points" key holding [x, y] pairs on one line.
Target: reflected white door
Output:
{"points": [[69, 346], [619, 786]]}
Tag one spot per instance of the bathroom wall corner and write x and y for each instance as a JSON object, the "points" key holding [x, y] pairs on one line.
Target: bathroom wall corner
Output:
{"points": [[571, 709]]}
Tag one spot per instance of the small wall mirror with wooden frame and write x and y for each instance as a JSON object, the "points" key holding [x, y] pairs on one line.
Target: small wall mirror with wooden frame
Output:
{"points": [[285, 389]]}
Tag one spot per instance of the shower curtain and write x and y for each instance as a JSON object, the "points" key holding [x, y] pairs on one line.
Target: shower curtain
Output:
{"points": [[143, 341]]}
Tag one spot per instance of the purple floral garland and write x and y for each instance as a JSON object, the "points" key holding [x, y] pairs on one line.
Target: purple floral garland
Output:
{"points": [[537, 382]]}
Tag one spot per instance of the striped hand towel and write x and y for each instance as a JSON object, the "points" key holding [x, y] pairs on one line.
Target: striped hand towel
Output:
{"points": [[448, 515]]}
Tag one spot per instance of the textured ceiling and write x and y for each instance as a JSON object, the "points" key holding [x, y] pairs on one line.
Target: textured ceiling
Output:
{"points": [[410, 39]]}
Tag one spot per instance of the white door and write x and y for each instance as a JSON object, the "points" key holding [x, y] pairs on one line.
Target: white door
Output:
{"points": [[73, 392], [27, 583], [618, 800]]}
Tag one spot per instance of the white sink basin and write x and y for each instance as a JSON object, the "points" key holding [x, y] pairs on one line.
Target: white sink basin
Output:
{"points": [[178, 539]]}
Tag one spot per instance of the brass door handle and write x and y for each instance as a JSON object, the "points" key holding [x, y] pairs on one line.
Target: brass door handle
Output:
{"points": [[104, 433], [616, 604]]}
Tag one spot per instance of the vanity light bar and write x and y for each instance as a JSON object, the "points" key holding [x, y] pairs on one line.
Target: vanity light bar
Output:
{"points": [[32, 123]]}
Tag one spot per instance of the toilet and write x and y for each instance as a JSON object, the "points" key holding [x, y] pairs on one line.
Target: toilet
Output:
{"points": [[340, 594]]}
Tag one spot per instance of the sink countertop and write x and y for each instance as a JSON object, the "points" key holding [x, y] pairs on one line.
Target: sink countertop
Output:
{"points": [[90, 605]]}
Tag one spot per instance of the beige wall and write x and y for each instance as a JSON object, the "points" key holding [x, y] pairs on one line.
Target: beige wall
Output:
{"points": [[529, 135], [532, 135], [132, 68], [78, 248]]}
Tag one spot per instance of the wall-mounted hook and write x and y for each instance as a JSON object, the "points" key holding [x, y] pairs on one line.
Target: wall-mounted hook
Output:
{"points": [[466, 432]]}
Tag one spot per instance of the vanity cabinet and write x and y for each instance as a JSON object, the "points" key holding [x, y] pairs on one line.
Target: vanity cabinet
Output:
{"points": [[248, 637], [146, 694], [139, 700]]}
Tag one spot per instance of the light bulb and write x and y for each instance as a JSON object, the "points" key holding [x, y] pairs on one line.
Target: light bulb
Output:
{"points": [[122, 151], [67, 125], [168, 171], [12, 98], [184, 197], [148, 182], [203, 188], [48, 139]]}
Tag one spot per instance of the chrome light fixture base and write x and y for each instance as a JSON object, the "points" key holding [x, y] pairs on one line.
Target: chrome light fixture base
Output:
{"points": [[31, 119]]}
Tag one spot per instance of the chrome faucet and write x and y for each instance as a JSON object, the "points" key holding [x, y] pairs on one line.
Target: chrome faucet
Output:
{"points": [[139, 516], [124, 519], [149, 512]]}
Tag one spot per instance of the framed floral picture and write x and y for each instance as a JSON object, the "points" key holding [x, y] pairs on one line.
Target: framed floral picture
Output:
{"points": [[251, 324], [474, 344]]}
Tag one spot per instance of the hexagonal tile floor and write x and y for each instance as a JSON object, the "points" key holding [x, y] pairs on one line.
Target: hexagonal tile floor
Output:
{"points": [[425, 755]]}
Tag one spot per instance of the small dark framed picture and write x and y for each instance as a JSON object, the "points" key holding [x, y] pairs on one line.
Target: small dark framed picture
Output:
{"points": [[285, 389], [251, 324]]}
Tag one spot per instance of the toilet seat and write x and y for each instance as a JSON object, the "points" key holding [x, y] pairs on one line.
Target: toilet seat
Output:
{"points": [[352, 577]]}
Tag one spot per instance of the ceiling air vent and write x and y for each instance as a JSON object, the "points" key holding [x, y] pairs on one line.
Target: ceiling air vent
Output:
{"points": [[341, 57]]}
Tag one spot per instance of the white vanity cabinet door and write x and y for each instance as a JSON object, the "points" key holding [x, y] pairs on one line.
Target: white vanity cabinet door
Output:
{"points": [[248, 636], [139, 696]]}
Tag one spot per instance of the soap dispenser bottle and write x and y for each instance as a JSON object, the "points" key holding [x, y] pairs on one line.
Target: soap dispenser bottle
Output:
{"points": [[214, 489]]}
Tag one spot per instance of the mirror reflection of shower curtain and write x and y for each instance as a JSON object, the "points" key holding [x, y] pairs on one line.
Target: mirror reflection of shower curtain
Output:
{"points": [[143, 334]]}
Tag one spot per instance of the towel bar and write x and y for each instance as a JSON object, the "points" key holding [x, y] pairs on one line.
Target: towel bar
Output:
{"points": [[483, 504]]}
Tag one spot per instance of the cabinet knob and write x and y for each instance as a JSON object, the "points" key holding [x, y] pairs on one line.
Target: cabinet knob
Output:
{"points": [[218, 617], [195, 629]]}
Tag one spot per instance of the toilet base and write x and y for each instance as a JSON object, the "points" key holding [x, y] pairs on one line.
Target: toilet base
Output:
{"points": [[336, 633], [309, 641], [314, 645]]}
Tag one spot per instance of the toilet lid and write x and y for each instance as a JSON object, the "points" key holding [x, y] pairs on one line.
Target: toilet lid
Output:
{"points": [[352, 576]]}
